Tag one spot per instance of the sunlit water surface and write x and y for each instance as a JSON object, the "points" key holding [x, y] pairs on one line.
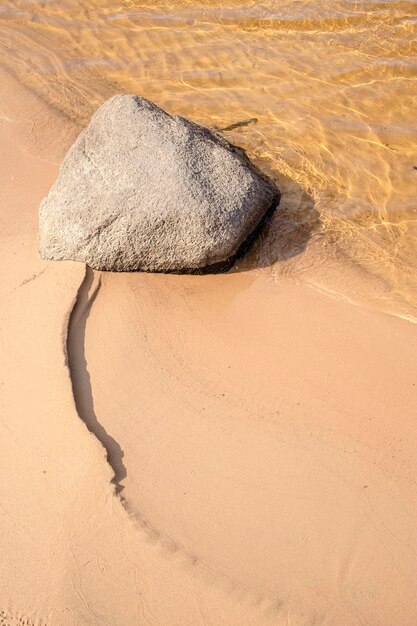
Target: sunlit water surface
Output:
{"points": [[332, 86]]}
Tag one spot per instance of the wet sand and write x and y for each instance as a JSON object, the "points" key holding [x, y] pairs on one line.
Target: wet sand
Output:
{"points": [[192, 450], [332, 85]]}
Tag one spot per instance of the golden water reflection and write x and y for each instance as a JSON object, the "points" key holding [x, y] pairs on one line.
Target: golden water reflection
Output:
{"points": [[332, 85]]}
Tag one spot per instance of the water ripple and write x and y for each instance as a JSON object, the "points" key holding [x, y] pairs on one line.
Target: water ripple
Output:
{"points": [[332, 85]]}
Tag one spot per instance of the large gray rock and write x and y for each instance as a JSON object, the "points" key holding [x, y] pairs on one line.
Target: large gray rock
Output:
{"points": [[142, 190]]}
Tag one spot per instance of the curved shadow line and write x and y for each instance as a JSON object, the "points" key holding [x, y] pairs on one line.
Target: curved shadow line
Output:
{"points": [[80, 377], [83, 398]]}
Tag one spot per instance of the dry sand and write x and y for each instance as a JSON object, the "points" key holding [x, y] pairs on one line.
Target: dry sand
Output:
{"points": [[251, 454]]}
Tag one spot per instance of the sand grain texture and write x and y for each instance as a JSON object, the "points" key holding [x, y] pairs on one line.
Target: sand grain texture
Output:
{"points": [[70, 553], [261, 435], [280, 451]]}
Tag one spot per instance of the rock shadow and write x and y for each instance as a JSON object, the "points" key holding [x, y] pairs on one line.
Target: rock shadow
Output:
{"points": [[286, 232]]}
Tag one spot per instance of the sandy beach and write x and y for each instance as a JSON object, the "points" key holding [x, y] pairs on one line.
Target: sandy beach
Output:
{"points": [[196, 450], [219, 450]]}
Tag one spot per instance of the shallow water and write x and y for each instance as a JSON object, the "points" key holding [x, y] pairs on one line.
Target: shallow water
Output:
{"points": [[332, 88]]}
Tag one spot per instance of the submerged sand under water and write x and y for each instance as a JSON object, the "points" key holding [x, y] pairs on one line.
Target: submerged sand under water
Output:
{"points": [[331, 88]]}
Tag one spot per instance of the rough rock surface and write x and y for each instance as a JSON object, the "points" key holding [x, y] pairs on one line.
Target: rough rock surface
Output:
{"points": [[143, 190]]}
